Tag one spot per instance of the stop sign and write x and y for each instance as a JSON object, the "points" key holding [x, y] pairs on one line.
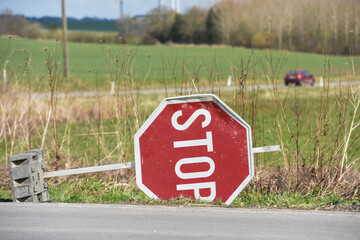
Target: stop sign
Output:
{"points": [[194, 146]]}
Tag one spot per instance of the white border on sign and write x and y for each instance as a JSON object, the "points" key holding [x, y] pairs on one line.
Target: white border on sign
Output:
{"points": [[187, 99], [137, 136]]}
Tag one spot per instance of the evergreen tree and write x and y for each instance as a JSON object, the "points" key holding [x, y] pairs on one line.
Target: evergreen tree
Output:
{"points": [[213, 32], [176, 32]]}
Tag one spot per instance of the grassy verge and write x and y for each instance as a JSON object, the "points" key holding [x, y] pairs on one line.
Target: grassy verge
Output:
{"points": [[105, 190], [92, 133], [318, 128]]}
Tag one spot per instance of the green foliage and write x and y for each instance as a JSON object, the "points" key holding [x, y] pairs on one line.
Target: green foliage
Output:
{"points": [[5, 193], [94, 190], [175, 33], [286, 199], [99, 190], [213, 32]]}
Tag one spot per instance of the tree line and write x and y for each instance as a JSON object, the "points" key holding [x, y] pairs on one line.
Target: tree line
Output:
{"points": [[321, 26], [18, 25]]}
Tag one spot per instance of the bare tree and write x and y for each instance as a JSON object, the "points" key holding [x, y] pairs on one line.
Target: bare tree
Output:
{"points": [[159, 22]]}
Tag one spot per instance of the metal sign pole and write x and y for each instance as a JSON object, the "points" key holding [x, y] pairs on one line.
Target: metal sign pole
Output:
{"points": [[27, 173], [89, 169], [129, 165], [267, 149]]}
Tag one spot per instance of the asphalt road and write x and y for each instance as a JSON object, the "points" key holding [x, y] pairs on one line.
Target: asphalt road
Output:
{"points": [[172, 90], [90, 222]]}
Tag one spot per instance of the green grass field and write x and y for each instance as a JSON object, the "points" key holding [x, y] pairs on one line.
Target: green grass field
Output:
{"points": [[153, 65]]}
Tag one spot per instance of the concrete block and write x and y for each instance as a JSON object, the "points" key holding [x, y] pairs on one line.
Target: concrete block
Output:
{"points": [[26, 177]]}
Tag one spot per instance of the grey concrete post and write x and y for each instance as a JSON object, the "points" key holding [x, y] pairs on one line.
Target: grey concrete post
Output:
{"points": [[26, 177]]}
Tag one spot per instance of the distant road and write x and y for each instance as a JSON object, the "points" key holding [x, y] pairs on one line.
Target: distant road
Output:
{"points": [[172, 90], [99, 221]]}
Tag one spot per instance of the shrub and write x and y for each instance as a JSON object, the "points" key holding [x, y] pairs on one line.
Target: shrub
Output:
{"points": [[262, 40], [11, 24], [149, 40]]}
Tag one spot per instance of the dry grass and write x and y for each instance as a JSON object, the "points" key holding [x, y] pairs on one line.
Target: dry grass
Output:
{"points": [[68, 109], [307, 180], [291, 176]]}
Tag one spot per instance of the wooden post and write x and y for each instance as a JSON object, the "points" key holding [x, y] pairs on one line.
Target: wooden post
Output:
{"points": [[65, 46]]}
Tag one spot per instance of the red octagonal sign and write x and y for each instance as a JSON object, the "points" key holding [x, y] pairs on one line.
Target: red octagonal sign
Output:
{"points": [[194, 146]]}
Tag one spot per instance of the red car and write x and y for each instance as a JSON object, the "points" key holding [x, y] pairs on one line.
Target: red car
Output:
{"points": [[299, 77]]}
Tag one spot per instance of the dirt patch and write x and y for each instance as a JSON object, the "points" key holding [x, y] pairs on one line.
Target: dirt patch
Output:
{"points": [[4, 176]]}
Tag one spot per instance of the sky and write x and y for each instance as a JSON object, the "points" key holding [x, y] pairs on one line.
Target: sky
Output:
{"points": [[92, 8]]}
